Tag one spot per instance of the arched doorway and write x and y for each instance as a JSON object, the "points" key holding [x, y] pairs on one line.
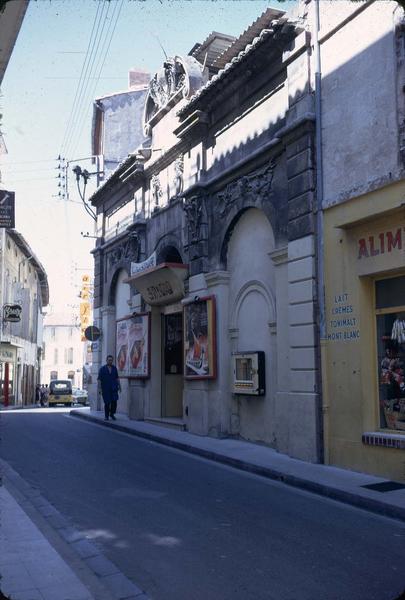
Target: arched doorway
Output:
{"points": [[252, 314]]}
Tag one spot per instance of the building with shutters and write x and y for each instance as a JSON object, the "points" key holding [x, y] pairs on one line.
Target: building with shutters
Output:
{"points": [[24, 288]]}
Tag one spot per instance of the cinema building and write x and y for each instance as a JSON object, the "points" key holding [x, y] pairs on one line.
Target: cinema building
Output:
{"points": [[205, 258]]}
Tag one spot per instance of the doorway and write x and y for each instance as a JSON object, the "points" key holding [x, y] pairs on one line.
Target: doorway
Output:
{"points": [[172, 365]]}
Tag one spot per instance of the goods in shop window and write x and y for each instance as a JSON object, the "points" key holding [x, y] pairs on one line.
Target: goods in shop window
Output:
{"points": [[398, 331]]}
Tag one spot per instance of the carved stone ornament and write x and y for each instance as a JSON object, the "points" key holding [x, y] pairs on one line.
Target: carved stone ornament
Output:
{"points": [[181, 76], [178, 178], [156, 189], [128, 250], [255, 186], [193, 208]]}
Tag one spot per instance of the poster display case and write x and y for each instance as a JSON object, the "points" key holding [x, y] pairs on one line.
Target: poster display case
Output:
{"points": [[200, 339], [133, 346]]}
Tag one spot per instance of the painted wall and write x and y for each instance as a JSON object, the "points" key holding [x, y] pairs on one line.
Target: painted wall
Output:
{"points": [[122, 127], [351, 370], [359, 99]]}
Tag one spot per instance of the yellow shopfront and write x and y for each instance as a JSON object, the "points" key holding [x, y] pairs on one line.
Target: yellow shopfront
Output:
{"points": [[363, 352]]}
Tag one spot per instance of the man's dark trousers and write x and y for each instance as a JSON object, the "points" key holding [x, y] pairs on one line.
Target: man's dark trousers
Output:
{"points": [[110, 408]]}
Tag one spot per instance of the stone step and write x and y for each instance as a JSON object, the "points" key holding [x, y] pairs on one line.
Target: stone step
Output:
{"points": [[169, 422]]}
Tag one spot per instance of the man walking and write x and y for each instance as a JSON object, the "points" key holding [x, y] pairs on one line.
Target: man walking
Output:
{"points": [[109, 386]]}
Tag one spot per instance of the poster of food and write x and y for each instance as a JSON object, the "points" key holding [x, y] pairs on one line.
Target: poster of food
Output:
{"points": [[122, 347], [133, 345], [200, 339]]}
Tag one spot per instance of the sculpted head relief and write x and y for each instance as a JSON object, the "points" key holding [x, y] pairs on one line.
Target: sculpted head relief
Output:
{"points": [[179, 77]]}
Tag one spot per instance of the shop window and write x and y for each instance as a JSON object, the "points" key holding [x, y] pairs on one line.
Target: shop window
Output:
{"points": [[71, 375], [53, 375], [390, 315]]}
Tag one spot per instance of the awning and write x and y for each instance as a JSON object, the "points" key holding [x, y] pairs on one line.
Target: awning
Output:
{"points": [[162, 284]]}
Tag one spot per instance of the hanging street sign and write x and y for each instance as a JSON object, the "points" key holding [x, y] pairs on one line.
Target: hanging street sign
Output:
{"points": [[12, 313], [7, 212]]}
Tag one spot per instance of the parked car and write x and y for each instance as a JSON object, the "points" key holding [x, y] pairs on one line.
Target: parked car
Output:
{"points": [[80, 396], [60, 392]]}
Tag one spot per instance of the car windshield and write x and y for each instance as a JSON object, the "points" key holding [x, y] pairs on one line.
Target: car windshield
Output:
{"points": [[60, 386]]}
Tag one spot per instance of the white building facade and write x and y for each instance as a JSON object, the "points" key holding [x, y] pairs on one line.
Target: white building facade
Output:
{"points": [[63, 350]]}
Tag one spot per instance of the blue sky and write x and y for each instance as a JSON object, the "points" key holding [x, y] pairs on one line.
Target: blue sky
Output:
{"points": [[37, 97]]}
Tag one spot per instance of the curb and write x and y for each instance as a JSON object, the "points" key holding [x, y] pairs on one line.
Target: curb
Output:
{"points": [[99, 574], [369, 504]]}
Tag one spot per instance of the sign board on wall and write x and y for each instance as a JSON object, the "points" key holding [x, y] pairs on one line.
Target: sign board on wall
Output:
{"points": [[7, 354], [144, 265], [7, 210], [12, 313], [342, 322], [85, 306]]}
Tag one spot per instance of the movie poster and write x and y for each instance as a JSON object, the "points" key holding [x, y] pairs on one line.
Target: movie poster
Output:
{"points": [[133, 346], [199, 339], [122, 347], [138, 343]]}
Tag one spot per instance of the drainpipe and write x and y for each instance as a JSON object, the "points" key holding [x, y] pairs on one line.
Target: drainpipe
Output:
{"points": [[324, 424]]}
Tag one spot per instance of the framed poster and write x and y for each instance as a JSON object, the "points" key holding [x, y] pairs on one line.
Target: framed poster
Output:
{"points": [[200, 339], [133, 346]]}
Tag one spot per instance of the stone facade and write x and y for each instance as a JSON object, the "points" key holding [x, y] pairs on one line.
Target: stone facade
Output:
{"points": [[226, 186]]}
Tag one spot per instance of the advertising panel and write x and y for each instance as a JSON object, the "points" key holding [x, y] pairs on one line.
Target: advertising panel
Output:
{"points": [[200, 339], [133, 346]]}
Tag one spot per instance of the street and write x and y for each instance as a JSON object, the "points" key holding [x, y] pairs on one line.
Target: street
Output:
{"points": [[184, 528]]}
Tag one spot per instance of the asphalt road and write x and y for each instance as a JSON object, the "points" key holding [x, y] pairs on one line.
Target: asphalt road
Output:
{"points": [[183, 528]]}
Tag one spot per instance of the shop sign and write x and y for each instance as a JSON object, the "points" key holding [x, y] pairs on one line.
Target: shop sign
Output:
{"points": [[163, 284], [159, 291], [7, 354], [343, 324], [7, 203], [381, 243], [12, 313], [143, 266]]}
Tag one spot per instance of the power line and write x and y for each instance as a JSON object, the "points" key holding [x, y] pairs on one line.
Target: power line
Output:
{"points": [[101, 67], [86, 98], [32, 179], [123, 77], [6, 171], [86, 72], [68, 125], [26, 162]]}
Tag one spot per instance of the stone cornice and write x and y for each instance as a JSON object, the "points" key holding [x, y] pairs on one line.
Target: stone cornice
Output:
{"points": [[217, 278], [279, 256]]}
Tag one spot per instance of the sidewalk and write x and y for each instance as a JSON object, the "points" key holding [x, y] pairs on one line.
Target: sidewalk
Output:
{"points": [[43, 557], [30, 568], [387, 497]]}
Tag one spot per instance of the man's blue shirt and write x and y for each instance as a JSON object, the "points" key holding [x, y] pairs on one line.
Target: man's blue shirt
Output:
{"points": [[110, 383]]}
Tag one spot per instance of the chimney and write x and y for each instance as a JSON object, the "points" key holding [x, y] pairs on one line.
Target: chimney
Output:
{"points": [[138, 79]]}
